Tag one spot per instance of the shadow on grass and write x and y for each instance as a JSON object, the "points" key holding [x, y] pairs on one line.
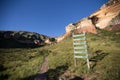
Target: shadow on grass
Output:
{"points": [[99, 55], [51, 74], [2, 68], [77, 78], [4, 76], [54, 74]]}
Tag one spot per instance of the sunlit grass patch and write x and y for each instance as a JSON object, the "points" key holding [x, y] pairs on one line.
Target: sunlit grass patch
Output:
{"points": [[102, 48], [20, 63]]}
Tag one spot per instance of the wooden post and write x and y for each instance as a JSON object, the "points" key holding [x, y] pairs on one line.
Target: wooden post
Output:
{"points": [[75, 62], [88, 64]]}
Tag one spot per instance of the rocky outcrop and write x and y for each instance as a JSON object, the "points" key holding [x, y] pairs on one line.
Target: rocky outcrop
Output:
{"points": [[115, 27], [107, 17], [102, 18], [23, 39], [70, 27], [58, 39], [111, 2], [85, 25]]}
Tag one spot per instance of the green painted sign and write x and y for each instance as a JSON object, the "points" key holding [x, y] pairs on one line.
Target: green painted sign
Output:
{"points": [[80, 47]]}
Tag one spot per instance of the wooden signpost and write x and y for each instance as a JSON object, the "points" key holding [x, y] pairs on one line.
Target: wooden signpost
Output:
{"points": [[80, 47]]}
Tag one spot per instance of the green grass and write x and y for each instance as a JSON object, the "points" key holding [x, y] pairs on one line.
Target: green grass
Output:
{"points": [[104, 55], [16, 63], [104, 49]]}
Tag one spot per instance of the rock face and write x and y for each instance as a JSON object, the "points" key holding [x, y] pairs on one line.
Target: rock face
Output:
{"points": [[102, 18], [85, 25], [115, 27], [107, 17], [58, 39], [9, 39], [70, 27]]}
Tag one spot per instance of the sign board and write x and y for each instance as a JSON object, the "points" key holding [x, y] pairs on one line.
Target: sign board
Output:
{"points": [[80, 47]]}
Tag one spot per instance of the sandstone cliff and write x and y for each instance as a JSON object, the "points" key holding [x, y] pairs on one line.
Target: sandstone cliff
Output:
{"points": [[103, 17], [107, 17]]}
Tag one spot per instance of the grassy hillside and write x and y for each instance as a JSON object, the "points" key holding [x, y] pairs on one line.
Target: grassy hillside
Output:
{"points": [[104, 55], [17, 64]]}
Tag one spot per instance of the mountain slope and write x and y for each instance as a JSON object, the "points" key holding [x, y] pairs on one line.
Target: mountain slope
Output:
{"points": [[23, 39], [104, 58]]}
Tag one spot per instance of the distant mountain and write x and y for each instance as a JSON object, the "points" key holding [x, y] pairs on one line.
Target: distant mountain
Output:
{"points": [[21, 39], [107, 17]]}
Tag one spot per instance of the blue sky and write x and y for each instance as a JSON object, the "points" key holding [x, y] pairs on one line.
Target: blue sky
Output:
{"points": [[48, 17]]}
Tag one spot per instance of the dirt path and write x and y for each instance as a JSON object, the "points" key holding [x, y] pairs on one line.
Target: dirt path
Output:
{"points": [[44, 68]]}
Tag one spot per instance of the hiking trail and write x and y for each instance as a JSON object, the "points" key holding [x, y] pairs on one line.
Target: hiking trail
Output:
{"points": [[43, 70]]}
